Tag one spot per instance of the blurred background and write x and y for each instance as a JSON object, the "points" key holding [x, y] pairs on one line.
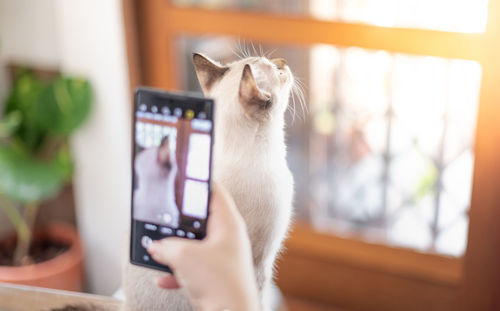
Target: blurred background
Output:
{"points": [[396, 179]]}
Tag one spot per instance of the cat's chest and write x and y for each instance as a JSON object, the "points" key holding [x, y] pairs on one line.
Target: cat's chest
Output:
{"points": [[264, 200], [263, 194], [262, 186]]}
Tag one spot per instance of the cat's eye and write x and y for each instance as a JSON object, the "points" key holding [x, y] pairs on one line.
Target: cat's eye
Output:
{"points": [[280, 70], [268, 103]]}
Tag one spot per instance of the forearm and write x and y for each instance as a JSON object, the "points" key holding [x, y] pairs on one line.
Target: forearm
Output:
{"points": [[237, 293], [239, 301]]}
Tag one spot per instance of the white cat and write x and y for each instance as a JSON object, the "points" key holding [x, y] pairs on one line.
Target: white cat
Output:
{"points": [[251, 97]]}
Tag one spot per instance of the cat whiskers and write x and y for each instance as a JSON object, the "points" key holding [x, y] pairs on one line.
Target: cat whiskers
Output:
{"points": [[292, 109], [253, 48], [298, 95], [269, 53], [239, 52], [246, 52], [236, 52], [247, 49]]}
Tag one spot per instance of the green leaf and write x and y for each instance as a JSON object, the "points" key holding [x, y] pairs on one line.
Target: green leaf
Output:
{"points": [[10, 123], [64, 161], [23, 98], [64, 105], [427, 182], [25, 92], [25, 179]]}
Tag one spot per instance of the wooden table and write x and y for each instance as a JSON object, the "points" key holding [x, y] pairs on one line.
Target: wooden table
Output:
{"points": [[29, 298]]}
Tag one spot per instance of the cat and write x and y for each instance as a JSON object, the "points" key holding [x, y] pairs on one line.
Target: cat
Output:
{"points": [[251, 97], [154, 196]]}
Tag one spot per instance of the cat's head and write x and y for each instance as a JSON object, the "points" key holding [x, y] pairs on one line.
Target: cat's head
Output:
{"points": [[164, 155], [256, 89]]}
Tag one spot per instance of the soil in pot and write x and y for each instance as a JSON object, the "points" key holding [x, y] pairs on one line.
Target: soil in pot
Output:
{"points": [[42, 249]]}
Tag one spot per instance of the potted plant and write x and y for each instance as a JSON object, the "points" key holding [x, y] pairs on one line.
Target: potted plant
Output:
{"points": [[35, 163]]}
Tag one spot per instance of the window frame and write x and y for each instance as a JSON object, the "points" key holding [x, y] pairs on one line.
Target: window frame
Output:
{"points": [[389, 278]]}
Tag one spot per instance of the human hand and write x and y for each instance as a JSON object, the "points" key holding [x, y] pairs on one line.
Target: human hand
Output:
{"points": [[216, 272]]}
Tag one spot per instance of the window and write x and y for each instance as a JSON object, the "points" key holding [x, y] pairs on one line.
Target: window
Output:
{"points": [[386, 157]]}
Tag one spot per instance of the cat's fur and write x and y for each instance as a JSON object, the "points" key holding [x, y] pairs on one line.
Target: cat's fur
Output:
{"points": [[251, 97]]}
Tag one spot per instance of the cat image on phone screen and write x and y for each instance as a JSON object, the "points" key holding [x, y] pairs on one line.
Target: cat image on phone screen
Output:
{"points": [[154, 194]]}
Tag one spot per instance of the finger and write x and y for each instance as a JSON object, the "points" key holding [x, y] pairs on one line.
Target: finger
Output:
{"points": [[168, 282], [171, 251], [224, 216]]}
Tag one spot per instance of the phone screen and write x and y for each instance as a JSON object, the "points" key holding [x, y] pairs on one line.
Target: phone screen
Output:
{"points": [[171, 167]]}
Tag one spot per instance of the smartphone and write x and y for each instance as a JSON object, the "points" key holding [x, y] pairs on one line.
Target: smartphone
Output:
{"points": [[171, 169]]}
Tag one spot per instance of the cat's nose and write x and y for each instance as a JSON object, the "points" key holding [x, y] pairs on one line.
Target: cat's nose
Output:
{"points": [[279, 62]]}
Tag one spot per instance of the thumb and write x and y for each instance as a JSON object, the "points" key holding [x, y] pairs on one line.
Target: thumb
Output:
{"points": [[224, 216], [171, 251]]}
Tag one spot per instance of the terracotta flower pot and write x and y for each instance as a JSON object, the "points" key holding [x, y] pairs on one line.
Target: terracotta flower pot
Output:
{"points": [[65, 271]]}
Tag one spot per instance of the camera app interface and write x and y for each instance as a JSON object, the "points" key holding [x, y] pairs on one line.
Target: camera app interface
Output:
{"points": [[171, 171]]}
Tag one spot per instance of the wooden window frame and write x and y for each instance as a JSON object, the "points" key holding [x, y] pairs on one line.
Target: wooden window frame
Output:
{"points": [[328, 269]]}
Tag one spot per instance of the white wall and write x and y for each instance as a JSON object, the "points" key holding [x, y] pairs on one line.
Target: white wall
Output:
{"points": [[91, 39], [85, 37], [27, 35]]}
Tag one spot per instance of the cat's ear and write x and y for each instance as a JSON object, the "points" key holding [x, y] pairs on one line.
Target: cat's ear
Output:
{"points": [[251, 97], [208, 71]]}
